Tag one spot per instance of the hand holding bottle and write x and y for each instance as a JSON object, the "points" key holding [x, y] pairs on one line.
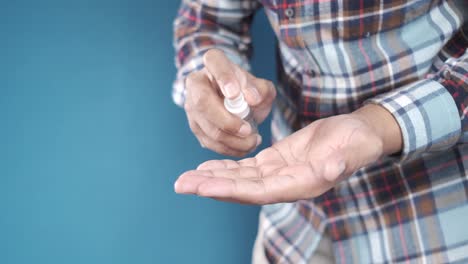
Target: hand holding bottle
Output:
{"points": [[213, 125]]}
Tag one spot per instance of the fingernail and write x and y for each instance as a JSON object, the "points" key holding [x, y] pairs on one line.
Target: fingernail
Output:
{"points": [[334, 170], [245, 129], [230, 90], [341, 167], [259, 140], [255, 94], [176, 187]]}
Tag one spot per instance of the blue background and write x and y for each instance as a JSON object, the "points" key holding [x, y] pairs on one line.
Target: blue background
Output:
{"points": [[91, 143]]}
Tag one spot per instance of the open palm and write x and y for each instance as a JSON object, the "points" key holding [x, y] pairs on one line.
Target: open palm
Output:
{"points": [[303, 165]]}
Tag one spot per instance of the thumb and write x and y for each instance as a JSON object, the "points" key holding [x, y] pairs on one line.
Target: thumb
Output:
{"points": [[335, 167], [258, 91]]}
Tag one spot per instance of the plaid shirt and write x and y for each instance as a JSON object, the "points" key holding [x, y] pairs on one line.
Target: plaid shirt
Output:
{"points": [[409, 56]]}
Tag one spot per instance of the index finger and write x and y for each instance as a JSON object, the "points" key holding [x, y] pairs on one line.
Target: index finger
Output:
{"points": [[223, 72]]}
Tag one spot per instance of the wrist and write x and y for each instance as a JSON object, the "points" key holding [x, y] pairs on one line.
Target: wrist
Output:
{"points": [[384, 126]]}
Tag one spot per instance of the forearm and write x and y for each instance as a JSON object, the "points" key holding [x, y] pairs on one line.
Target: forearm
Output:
{"points": [[384, 125]]}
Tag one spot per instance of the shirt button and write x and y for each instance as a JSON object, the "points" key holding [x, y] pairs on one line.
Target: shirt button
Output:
{"points": [[446, 74], [289, 12]]}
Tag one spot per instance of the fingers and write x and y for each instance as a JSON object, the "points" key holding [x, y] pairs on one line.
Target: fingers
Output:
{"points": [[241, 184], [227, 164], [258, 91], [218, 164], [241, 181], [238, 190], [232, 80], [209, 143], [223, 149], [215, 139], [203, 101], [264, 179], [234, 173], [224, 72], [218, 135]]}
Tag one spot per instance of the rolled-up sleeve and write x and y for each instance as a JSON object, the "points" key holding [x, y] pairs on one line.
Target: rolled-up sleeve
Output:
{"points": [[431, 113]]}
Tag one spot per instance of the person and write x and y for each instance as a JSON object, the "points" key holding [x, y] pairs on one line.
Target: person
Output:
{"points": [[369, 122]]}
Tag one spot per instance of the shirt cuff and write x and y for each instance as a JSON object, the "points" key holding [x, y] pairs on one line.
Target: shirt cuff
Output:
{"points": [[427, 115]]}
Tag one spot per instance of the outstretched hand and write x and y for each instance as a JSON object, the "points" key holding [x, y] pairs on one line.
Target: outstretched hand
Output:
{"points": [[303, 165]]}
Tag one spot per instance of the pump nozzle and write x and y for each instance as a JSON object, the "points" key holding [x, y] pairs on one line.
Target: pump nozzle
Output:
{"points": [[237, 106]]}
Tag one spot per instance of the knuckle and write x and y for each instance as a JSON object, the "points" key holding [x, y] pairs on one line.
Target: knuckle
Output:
{"points": [[230, 152], [220, 149], [190, 80], [197, 101], [238, 154], [196, 91], [273, 91], [211, 54], [266, 89], [248, 145], [187, 107], [230, 127], [202, 144], [224, 78], [199, 104], [194, 128], [230, 123], [268, 83], [195, 131], [226, 151], [270, 88], [217, 134], [193, 79], [252, 142]]}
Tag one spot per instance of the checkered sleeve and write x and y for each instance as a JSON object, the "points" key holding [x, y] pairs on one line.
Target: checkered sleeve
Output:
{"points": [[432, 113], [205, 24]]}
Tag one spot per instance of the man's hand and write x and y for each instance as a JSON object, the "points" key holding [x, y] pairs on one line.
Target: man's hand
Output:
{"points": [[212, 124], [303, 165]]}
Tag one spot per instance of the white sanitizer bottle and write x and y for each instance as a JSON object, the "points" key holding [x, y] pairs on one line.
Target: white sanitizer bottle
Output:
{"points": [[239, 107]]}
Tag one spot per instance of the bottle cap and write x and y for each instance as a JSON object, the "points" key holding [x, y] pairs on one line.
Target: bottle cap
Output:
{"points": [[237, 106]]}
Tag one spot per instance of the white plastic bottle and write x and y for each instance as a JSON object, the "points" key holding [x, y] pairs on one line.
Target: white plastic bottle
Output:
{"points": [[239, 107]]}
